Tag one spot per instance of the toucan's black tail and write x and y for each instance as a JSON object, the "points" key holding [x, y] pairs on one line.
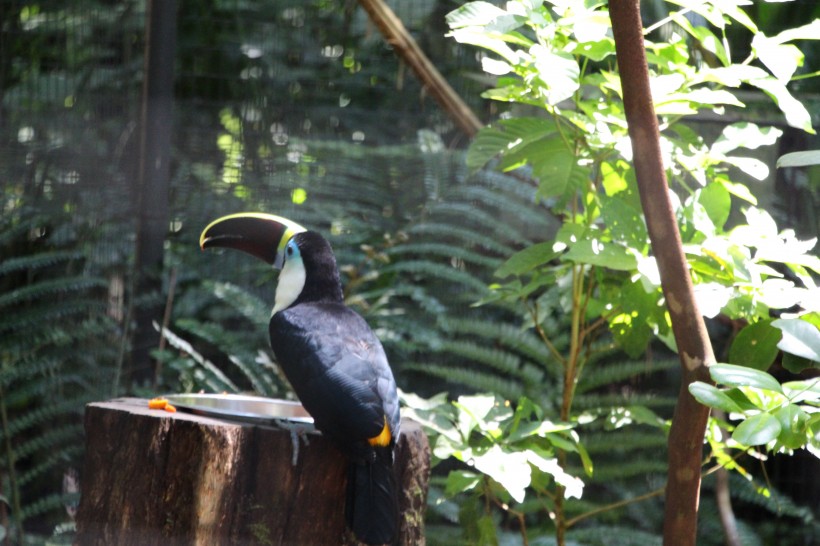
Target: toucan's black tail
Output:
{"points": [[372, 508]]}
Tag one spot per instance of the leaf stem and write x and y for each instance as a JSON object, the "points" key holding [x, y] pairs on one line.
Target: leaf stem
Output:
{"points": [[646, 496]]}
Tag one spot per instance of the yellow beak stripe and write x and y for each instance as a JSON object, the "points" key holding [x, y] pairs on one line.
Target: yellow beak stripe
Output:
{"points": [[384, 437]]}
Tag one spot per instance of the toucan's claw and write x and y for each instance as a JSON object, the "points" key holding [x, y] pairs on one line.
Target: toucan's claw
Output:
{"points": [[296, 430]]}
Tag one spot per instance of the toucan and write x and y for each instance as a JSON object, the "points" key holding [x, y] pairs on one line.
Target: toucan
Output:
{"points": [[333, 360]]}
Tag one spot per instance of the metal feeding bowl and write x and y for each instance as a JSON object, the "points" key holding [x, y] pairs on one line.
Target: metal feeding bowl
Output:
{"points": [[238, 407]]}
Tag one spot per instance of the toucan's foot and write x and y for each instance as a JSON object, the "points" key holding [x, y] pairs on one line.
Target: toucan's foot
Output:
{"points": [[297, 430]]}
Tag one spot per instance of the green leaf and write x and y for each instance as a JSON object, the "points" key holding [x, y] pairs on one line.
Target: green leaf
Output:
{"points": [[624, 222], [508, 138], [586, 460], [757, 430], [612, 180], [796, 364], [711, 396], [807, 390], [800, 338], [554, 165], [793, 426], [799, 159], [741, 376], [716, 202], [487, 535], [741, 191], [459, 481], [755, 346], [740, 399], [711, 43], [631, 332], [596, 51], [527, 259], [603, 254]]}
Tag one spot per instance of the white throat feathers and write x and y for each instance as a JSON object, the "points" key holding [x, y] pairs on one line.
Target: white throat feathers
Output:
{"points": [[290, 285]]}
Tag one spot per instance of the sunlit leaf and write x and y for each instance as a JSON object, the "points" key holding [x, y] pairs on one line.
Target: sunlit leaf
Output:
{"points": [[810, 31], [800, 338], [749, 165], [573, 487], [716, 202], [482, 14], [796, 114], [757, 430], [624, 222], [604, 254], [782, 60], [510, 469], [745, 135], [711, 396], [741, 376], [558, 73]]}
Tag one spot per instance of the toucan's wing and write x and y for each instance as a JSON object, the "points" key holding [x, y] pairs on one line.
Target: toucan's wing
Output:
{"points": [[338, 369]]}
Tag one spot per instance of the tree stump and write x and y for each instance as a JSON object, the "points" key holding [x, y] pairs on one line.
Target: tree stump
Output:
{"points": [[153, 477]]}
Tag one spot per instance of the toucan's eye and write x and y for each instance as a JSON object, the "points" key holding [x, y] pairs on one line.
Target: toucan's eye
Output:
{"points": [[289, 249]]}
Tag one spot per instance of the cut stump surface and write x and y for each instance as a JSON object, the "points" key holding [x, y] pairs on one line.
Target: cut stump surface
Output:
{"points": [[154, 477]]}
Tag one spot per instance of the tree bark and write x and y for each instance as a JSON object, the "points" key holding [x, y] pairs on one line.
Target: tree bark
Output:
{"points": [[153, 186], [175, 479], [694, 348]]}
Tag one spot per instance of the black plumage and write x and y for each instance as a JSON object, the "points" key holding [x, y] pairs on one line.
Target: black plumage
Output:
{"points": [[339, 370], [332, 358]]}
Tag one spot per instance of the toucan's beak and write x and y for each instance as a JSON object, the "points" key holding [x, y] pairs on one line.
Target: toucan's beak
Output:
{"points": [[259, 234]]}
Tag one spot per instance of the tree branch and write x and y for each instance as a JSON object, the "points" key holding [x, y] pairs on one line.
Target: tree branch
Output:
{"points": [[694, 348], [395, 34]]}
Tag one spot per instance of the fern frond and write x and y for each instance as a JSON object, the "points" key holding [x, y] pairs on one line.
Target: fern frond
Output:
{"points": [[49, 288], [49, 313], [247, 305], [474, 380], [468, 237], [594, 401], [606, 535], [464, 213], [56, 460], [37, 261], [507, 335], [432, 270], [49, 440], [443, 250], [612, 373], [207, 372]]}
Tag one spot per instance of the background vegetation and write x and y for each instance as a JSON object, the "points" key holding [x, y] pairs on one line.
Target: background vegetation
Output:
{"points": [[299, 108]]}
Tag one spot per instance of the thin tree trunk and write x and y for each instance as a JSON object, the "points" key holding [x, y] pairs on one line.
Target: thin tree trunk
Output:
{"points": [[695, 351], [153, 179]]}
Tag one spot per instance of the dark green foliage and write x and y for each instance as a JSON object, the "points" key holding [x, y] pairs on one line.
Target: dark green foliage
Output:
{"points": [[54, 335]]}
